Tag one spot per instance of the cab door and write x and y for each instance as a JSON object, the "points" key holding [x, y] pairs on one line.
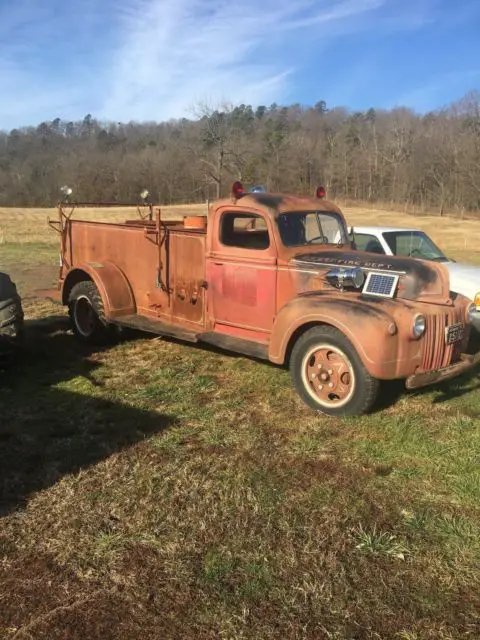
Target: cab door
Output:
{"points": [[242, 274]]}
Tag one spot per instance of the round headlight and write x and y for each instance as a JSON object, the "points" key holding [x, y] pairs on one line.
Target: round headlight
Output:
{"points": [[418, 327], [472, 312]]}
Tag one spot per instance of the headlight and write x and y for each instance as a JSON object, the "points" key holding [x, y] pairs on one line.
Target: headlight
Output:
{"points": [[472, 312], [476, 301], [341, 277], [418, 327]]}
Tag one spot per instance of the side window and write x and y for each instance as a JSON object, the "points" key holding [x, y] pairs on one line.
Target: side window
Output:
{"points": [[244, 230], [367, 242]]}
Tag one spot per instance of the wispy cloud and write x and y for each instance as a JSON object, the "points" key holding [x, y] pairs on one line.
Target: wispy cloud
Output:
{"points": [[430, 94], [152, 59], [155, 59], [45, 59], [178, 52]]}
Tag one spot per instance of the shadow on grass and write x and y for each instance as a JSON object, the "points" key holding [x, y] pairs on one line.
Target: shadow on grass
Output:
{"points": [[458, 387], [47, 431], [391, 391]]}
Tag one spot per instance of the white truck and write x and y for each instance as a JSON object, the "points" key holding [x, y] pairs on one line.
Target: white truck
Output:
{"points": [[414, 243]]}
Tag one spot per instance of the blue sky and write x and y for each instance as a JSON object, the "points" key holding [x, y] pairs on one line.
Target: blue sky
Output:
{"points": [[123, 60]]}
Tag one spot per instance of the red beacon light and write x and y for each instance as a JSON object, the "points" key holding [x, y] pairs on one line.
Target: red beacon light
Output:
{"points": [[237, 189], [320, 193]]}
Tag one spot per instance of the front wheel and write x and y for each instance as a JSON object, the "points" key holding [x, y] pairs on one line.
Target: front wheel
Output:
{"points": [[329, 375]]}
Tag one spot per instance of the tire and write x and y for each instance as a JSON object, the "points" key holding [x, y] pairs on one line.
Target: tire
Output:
{"points": [[328, 374], [87, 314], [11, 316]]}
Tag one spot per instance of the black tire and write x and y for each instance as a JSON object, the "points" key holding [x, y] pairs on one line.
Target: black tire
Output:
{"points": [[328, 374], [474, 340], [11, 316], [87, 314]]}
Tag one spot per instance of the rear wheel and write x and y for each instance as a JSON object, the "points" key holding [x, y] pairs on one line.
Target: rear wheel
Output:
{"points": [[329, 375], [87, 313]]}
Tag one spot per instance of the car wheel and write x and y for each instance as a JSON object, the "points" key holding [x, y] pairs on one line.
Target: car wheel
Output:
{"points": [[329, 375]]}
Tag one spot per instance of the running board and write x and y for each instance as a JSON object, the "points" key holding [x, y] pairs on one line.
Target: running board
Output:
{"points": [[157, 327], [238, 345], [222, 341]]}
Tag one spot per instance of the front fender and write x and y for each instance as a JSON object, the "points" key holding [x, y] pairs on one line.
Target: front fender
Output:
{"points": [[111, 282], [370, 329]]}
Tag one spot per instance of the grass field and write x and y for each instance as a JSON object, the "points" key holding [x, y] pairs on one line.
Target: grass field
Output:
{"points": [[153, 490]]}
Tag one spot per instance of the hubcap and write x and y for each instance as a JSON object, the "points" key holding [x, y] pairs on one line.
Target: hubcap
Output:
{"points": [[328, 376], [84, 316]]}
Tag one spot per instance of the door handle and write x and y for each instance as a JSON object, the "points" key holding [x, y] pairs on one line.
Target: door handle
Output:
{"points": [[219, 264]]}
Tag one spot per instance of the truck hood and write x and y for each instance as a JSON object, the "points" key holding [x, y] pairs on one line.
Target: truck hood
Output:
{"points": [[464, 278], [419, 280]]}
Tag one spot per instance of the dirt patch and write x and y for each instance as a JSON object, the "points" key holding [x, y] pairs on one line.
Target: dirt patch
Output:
{"points": [[31, 279]]}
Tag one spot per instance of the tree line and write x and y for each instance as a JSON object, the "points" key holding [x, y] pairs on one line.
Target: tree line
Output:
{"points": [[431, 161]]}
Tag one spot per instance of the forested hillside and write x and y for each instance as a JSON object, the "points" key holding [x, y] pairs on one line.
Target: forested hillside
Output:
{"points": [[432, 160]]}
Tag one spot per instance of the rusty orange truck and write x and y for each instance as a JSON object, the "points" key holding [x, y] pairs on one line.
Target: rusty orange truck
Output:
{"points": [[275, 277]]}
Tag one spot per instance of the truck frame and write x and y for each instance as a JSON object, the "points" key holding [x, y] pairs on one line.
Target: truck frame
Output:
{"points": [[271, 276]]}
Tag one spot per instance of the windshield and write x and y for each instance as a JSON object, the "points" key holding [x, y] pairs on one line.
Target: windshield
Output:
{"points": [[311, 227], [414, 244]]}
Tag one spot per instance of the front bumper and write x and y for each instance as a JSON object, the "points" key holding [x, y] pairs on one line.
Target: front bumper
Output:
{"points": [[466, 363]]}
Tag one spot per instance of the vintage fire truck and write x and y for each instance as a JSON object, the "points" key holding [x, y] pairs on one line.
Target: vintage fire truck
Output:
{"points": [[274, 277]]}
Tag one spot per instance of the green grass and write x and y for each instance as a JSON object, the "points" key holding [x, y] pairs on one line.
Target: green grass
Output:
{"points": [[157, 490], [18, 256]]}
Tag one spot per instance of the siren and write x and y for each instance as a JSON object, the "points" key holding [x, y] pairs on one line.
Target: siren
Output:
{"points": [[237, 189], [320, 193]]}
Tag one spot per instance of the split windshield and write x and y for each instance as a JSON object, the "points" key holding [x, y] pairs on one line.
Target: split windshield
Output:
{"points": [[414, 244], [301, 228]]}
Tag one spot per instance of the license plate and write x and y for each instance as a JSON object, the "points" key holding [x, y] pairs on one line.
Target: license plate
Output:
{"points": [[454, 332]]}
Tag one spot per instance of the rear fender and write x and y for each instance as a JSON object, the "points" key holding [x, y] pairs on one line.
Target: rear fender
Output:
{"points": [[111, 282], [371, 330]]}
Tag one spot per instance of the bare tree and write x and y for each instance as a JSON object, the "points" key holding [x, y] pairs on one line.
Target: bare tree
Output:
{"points": [[431, 161]]}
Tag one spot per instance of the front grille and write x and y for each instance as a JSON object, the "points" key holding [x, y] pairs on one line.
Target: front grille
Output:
{"points": [[436, 353]]}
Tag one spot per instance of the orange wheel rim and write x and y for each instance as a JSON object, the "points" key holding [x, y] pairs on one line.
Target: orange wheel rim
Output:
{"points": [[328, 376]]}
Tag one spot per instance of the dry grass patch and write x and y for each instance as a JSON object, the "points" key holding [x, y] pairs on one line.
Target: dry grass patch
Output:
{"points": [[457, 237], [168, 491], [19, 225]]}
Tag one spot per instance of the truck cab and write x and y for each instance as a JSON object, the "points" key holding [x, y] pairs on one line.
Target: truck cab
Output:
{"points": [[272, 276]]}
